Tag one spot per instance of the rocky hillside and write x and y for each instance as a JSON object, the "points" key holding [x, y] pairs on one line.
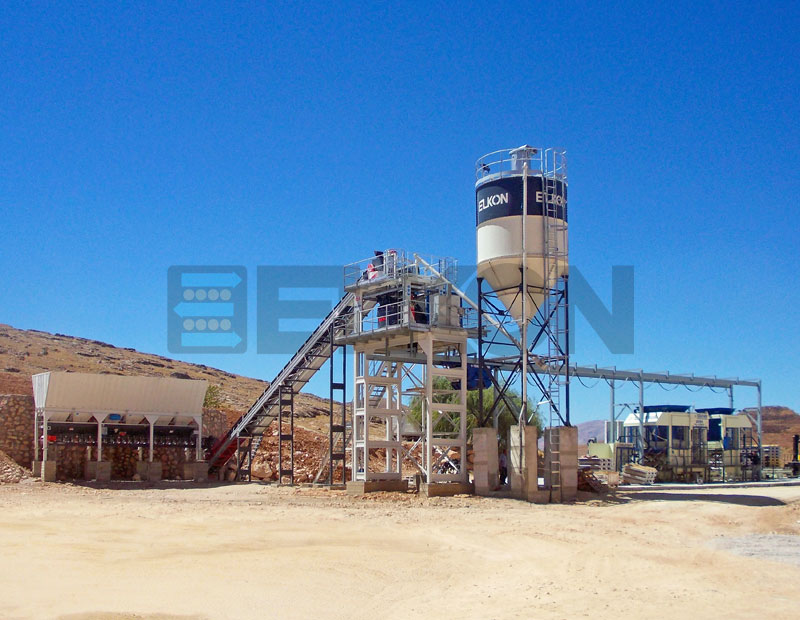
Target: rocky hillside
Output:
{"points": [[779, 425], [26, 352]]}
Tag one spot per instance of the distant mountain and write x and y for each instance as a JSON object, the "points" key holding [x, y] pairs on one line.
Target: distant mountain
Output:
{"points": [[593, 429]]}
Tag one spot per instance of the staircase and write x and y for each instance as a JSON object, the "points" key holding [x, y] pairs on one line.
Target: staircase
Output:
{"points": [[312, 355]]}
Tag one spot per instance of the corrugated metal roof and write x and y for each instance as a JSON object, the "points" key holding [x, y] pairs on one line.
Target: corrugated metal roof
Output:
{"points": [[86, 393]]}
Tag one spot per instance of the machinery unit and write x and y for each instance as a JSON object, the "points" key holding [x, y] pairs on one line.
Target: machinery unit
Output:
{"points": [[673, 440], [730, 445]]}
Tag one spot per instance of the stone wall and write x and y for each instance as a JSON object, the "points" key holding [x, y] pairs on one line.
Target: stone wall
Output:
{"points": [[16, 427], [16, 440], [72, 459], [215, 423]]}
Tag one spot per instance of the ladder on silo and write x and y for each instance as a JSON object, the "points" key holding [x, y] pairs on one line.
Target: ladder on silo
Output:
{"points": [[555, 300]]}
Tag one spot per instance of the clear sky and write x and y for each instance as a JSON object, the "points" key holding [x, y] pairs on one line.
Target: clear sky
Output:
{"points": [[138, 136]]}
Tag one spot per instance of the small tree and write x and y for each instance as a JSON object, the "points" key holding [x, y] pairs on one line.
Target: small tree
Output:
{"points": [[506, 417], [213, 399]]}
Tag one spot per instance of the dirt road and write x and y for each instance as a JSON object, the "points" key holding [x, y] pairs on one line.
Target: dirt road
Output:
{"points": [[255, 551]]}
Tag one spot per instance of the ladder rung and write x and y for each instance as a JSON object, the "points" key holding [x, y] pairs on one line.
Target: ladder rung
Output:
{"points": [[286, 437], [337, 386]]}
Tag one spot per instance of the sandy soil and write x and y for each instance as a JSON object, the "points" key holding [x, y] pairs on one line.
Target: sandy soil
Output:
{"points": [[256, 551]]}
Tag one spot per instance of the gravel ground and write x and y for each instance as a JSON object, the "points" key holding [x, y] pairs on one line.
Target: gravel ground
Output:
{"points": [[777, 547]]}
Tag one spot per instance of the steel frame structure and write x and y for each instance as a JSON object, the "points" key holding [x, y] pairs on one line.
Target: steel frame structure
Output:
{"points": [[410, 348]]}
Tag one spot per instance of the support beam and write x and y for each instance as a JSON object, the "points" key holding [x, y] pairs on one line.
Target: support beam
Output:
{"points": [[151, 419], [36, 435], [612, 431], [199, 446], [99, 440], [44, 437], [641, 419], [760, 439]]}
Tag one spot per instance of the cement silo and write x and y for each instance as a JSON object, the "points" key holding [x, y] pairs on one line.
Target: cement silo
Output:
{"points": [[523, 265], [511, 254]]}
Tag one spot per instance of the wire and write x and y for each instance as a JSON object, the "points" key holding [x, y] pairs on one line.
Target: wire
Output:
{"points": [[587, 386]]}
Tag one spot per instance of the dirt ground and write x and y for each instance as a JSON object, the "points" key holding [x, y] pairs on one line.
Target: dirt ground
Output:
{"points": [[259, 551]]}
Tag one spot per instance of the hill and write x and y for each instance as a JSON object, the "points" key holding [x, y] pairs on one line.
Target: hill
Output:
{"points": [[779, 425], [27, 352]]}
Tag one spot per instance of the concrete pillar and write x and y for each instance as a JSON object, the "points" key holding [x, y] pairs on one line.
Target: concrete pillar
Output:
{"points": [[516, 463], [154, 471], [49, 471], [485, 466], [523, 472], [532, 492], [568, 440], [195, 471]]}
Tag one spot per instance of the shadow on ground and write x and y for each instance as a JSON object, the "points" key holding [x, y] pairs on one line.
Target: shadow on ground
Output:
{"points": [[723, 498]]}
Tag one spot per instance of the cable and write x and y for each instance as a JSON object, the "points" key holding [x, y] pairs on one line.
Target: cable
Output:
{"points": [[587, 386]]}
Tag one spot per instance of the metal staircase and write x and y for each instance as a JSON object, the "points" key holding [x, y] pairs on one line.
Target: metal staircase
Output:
{"points": [[278, 399]]}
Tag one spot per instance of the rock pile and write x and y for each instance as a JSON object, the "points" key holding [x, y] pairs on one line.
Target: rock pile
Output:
{"points": [[310, 451], [10, 472]]}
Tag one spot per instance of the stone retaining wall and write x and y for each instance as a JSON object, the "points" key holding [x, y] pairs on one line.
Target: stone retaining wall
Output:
{"points": [[16, 440], [72, 460], [16, 427]]}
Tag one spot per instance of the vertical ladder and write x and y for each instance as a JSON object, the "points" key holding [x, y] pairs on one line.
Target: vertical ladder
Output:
{"points": [[555, 301], [554, 464], [337, 441], [286, 434]]}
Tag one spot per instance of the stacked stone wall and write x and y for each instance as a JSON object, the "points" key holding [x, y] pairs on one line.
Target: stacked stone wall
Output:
{"points": [[16, 440], [16, 427]]}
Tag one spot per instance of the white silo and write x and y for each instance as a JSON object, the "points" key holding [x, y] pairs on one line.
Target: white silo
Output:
{"points": [[508, 252]]}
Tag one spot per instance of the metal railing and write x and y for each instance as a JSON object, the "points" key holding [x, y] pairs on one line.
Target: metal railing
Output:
{"points": [[416, 314], [550, 162], [394, 264]]}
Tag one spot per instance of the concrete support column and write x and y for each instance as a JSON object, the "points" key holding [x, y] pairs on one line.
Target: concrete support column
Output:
{"points": [[568, 443], [151, 421], [485, 460]]}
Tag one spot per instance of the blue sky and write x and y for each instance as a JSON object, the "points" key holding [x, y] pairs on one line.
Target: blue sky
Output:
{"points": [[141, 136]]}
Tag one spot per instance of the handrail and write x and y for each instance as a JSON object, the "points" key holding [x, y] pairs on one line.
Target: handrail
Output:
{"points": [[313, 340]]}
